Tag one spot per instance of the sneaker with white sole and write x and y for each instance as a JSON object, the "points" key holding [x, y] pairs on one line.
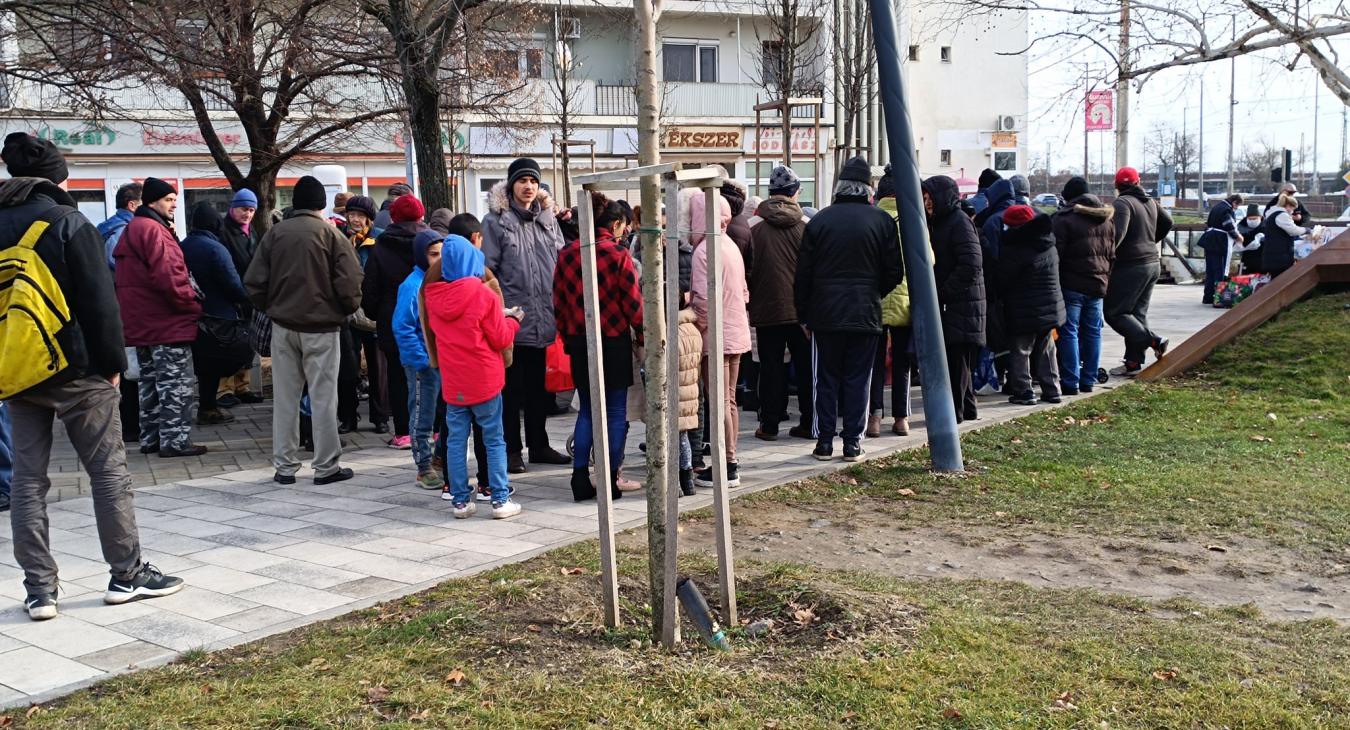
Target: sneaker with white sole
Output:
{"points": [[504, 510], [464, 511], [484, 493], [1128, 370], [402, 443], [41, 608], [148, 583]]}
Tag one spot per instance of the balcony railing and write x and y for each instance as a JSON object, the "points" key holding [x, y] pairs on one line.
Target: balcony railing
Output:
{"points": [[694, 100]]}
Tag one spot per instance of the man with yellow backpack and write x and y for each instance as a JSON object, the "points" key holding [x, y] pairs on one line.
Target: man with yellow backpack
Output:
{"points": [[61, 354]]}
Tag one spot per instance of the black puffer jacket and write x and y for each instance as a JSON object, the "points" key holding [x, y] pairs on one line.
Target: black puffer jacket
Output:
{"points": [[849, 259], [958, 264], [1140, 224], [1086, 238], [390, 263], [1028, 278]]}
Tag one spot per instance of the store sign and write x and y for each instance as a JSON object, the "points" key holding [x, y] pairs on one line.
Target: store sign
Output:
{"points": [[92, 135], [1099, 112], [1003, 140], [771, 141], [158, 138], [457, 142], [701, 138]]}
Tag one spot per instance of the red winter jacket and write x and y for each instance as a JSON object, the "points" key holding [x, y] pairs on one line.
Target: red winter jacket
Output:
{"points": [[158, 304], [470, 330]]}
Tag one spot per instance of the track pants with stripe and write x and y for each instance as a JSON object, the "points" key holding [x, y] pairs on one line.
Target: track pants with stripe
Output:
{"points": [[841, 366]]}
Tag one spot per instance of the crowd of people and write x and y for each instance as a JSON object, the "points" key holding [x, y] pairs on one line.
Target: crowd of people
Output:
{"points": [[445, 323]]}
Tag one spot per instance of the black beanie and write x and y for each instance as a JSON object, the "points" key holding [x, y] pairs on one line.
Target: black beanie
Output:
{"points": [[28, 156], [886, 185], [988, 177], [154, 189], [309, 194], [520, 168], [1076, 187], [205, 217], [857, 170]]}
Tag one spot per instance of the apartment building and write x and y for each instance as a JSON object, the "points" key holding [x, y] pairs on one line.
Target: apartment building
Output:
{"points": [[968, 106]]}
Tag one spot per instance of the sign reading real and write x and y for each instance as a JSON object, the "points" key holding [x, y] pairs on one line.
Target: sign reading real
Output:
{"points": [[94, 136]]}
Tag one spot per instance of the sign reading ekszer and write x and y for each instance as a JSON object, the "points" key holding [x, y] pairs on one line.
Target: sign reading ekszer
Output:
{"points": [[701, 138]]}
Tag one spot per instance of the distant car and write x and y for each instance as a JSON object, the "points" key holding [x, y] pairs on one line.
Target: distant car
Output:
{"points": [[1046, 199]]}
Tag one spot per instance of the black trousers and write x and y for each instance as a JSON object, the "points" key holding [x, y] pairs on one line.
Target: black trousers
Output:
{"points": [[525, 392], [961, 360], [396, 381], [773, 374], [901, 363], [130, 408], [349, 376], [842, 366]]}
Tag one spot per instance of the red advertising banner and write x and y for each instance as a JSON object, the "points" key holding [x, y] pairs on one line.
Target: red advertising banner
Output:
{"points": [[1100, 112]]}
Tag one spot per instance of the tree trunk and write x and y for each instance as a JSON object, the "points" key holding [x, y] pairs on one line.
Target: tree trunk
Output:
{"points": [[654, 316], [424, 116], [263, 182]]}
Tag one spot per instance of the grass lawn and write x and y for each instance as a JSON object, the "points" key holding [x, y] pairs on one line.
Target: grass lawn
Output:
{"points": [[522, 646]]}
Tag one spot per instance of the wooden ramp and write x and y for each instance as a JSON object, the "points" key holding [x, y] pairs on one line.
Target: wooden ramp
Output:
{"points": [[1329, 264]]}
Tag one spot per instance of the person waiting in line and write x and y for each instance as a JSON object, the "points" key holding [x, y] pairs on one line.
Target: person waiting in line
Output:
{"points": [[424, 383], [895, 322], [389, 265], [1033, 303], [222, 345], [1085, 234], [240, 238], [958, 271], [620, 321], [358, 333], [1141, 222]]}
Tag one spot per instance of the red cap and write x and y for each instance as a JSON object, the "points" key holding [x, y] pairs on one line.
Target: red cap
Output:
{"points": [[1018, 215], [407, 209], [1127, 176]]}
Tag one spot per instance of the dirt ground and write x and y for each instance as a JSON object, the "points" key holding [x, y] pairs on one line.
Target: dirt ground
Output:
{"points": [[859, 536]]}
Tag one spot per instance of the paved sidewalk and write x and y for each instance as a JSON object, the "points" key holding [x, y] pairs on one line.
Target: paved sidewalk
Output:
{"points": [[260, 558]]}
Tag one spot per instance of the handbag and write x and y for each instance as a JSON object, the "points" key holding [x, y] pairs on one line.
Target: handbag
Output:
{"points": [[557, 368], [260, 333], [224, 343]]}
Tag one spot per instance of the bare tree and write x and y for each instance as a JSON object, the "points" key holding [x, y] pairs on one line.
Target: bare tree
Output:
{"points": [[791, 55], [1257, 160], [564, 90], [294, 75], [855, 56], [480, 76]]}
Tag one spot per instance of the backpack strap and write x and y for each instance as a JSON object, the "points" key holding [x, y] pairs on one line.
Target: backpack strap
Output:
{"points": [[52, 215]]}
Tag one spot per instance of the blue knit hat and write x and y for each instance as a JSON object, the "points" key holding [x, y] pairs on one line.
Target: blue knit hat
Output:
{"points": [[421, 242], [244, 199]]}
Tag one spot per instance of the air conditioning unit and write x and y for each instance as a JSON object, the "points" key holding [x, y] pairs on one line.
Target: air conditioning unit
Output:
{"points": [[569, 27], [1005, 123]]}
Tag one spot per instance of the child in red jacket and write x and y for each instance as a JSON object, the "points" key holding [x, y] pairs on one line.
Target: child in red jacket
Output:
{"points": [[468, 332]]}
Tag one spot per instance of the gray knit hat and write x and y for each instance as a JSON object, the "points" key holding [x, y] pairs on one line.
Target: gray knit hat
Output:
{"points": [[783, 181]]}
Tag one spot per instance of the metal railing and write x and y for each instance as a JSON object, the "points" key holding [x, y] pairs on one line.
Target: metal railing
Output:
{"points": [[683, 99]]}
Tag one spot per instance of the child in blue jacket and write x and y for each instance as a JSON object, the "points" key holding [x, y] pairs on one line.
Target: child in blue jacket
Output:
{"points": [[424, 382]]}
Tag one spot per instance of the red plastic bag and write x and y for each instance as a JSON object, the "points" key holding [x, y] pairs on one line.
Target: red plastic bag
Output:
{"points": [[557, 368]]}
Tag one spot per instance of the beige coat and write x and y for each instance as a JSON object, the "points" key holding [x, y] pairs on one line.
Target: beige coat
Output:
{"points": [[691, 354]]}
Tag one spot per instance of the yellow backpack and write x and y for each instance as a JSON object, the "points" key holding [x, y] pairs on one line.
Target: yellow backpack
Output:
{"points": [[33, 310]]}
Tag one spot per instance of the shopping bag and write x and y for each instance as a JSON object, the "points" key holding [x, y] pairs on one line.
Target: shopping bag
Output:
{"points": [[260, 334], [557, 368]]}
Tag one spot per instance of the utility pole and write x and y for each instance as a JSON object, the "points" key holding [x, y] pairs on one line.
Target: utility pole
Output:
{"points": [[1086, 90], [1316, 188], [1123, 90], [1232, 105], [1200, 175]]}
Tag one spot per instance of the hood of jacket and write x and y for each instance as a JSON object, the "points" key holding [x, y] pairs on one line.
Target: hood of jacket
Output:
{"points": [[499, 200], [735, 197], [1091, 206], [945, 194], [439, 220], [1020, 185], [1134, 191], [17, 190], [1000, 196], [460, 260], [1036, 234], [205, 219], [780, 212]]}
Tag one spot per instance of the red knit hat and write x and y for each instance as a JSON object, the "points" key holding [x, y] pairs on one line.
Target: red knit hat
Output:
{"points": [[407, 209], [1018, 215], [1127, 176]]}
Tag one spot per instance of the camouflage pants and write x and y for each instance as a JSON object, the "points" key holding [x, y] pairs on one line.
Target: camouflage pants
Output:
{"points": [[168, 390]]}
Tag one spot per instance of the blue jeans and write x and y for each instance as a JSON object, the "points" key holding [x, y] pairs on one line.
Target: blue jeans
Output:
{"points": [[6, 451], [1080, 340], [459, 421], [616, 412], [424, 389]]}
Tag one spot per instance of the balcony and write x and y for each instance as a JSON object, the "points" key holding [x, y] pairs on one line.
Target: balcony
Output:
{"points": [[695, 100]]}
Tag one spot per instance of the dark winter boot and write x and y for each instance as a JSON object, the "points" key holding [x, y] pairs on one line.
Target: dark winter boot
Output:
{"points": [[687, 482], [581, 485], [306, 433], [614, 492]]}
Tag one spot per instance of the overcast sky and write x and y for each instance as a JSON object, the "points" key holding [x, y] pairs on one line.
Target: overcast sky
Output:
{"points": [[1273, 104]]}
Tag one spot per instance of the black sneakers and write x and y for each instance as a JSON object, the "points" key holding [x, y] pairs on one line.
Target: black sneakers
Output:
{"points": [[341, 475], [854, 452], [705, 477], [823, 452], [687, 482], [1026, 398], [41, 608], [148, 583]]}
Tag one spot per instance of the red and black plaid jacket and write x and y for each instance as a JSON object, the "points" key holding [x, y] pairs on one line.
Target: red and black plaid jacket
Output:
{"points": [[620, 298]]}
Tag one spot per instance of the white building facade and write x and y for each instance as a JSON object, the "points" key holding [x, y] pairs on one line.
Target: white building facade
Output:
{"points": [[967, 103]]}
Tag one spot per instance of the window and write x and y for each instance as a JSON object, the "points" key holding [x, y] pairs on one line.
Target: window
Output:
{"points": [[515, 63], [1005, 161], [945, 53], [773, 64], [945, 158], [913, 53], [806, 172], [689, 61]]}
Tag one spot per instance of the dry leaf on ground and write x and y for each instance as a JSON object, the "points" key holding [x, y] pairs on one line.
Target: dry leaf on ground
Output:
{"points": [[572, 571], [1165, 675], [951, 713], [455, 677], [906, 492], [378, 693]]}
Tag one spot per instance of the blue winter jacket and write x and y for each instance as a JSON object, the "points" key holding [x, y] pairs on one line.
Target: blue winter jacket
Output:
{"points": [[210, 264], [412, 348], [990, 220], [111, 230]]}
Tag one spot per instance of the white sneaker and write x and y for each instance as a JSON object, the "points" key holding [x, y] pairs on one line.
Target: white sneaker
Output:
{"points": [[465, 511], [505, 510]]}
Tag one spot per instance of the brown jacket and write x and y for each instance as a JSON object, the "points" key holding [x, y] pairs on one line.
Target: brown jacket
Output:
{"points": [[691, 354], [305, 275], [771, 265]]}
